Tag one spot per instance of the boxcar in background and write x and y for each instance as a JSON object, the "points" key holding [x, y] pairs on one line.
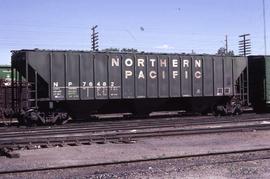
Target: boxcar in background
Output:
{"points": [[259, 82], [5, 90], [5, 73]]}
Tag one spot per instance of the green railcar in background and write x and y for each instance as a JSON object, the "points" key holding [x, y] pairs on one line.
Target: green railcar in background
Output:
{"points": [[5, 73], [259, 82]]}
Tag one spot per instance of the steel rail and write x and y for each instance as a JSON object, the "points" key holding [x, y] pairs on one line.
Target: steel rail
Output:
{"points": [[126, 136], [139, 124]]}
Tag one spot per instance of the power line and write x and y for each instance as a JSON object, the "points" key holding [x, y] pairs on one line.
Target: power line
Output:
{"points": [[244, 45], [94, 38], [264, 24], [226, 43]]}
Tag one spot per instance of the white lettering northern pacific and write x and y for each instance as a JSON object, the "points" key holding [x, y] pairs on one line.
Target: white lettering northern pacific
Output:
{"points": [[152, 74]]}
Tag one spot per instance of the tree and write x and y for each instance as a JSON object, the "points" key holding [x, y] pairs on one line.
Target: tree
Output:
{"points": [[230, 53], [222, 51], [111, 50], [129, 50], [126, 50]]}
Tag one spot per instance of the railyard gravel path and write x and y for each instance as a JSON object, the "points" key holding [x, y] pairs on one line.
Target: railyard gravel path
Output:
{"points": [[147, 149], [204, 167]]}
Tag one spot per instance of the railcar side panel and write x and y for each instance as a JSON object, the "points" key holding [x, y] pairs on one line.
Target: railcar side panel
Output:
{"points": [[186, 76], [128, 77], [40, 61], [208, 84], [197, 75], [101, 76], [228, 76], [218, 76], [163, 76], [58, 86], [72, 76], [140, 76], [86, 76], [174, 76], [239, 65], [152, 81], [115, 81]]}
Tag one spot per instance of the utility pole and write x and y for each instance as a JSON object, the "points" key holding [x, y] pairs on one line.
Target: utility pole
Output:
{"points": [[244, 45], [226, 44], [94, 38], [264, 24]]}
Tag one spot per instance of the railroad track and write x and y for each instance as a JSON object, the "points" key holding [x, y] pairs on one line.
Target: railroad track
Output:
{"points": [[134, 125], [74, 137], [228, 157], [55, 137], [112, 121], [139, 124]]}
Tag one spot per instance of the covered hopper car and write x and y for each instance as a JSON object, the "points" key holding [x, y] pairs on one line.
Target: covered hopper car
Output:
{"points": [[79, 83]]}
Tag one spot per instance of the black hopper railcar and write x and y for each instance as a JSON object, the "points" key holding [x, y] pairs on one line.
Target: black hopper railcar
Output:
{"points": [[80, 83]]}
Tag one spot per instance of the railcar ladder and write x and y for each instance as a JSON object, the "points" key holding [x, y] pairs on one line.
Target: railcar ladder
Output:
{"points": [[15, 90], [243, 87], [2, 100], [2, 96], [32, 93]]}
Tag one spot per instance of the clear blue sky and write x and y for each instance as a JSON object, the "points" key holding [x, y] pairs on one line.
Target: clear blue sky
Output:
{"points": [[169, 25]]}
